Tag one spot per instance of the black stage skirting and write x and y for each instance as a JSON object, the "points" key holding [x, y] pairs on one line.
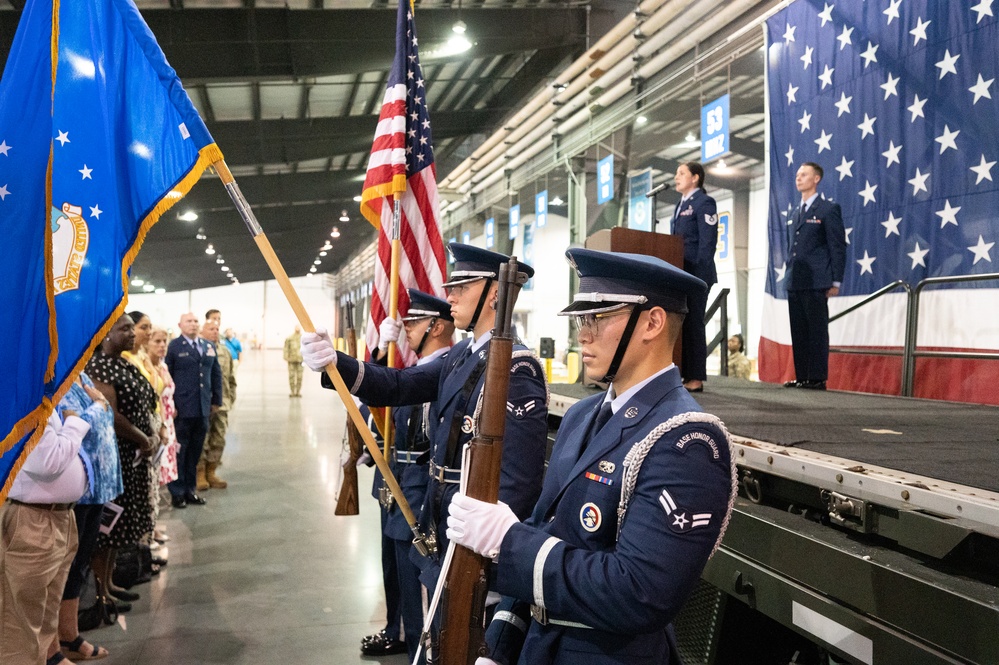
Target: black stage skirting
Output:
{"points": [[957, 443]]}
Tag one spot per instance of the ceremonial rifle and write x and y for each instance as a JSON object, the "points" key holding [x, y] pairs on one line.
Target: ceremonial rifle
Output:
{"points": [[464, 581], [347, 501]]}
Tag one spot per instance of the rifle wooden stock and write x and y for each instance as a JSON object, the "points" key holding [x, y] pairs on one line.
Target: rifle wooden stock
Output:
{"points": [[347, 501], [463, 598]]}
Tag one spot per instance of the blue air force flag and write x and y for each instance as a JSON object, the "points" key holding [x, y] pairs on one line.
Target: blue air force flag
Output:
{"points": [[97, 139], [897, 101]]}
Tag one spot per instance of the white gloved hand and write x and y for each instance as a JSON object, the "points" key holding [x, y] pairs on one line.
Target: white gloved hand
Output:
{"points": [[317, 350], [388, 332], [478, 525], [485, 661]]}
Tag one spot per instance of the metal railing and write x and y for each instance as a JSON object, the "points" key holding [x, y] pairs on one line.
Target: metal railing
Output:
{"points": [[719, 303], [909, 351]]}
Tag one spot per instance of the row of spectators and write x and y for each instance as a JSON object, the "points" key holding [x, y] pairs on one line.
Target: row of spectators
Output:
{"points": [[87, 498]]}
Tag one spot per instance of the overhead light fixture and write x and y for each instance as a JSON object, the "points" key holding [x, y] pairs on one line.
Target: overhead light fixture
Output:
{"points": [[209, 250], [459, 27], [225, 268], [148, 288], [201, 235], [641, 120], [312, 269], [160, 291], [722, 164], [317, 262], [357, 199], [557, 201], [344, 217], [327, 247], [189, 216], [690, 138], [220, 260], [138, 282], [322, 253], [335, 233]]}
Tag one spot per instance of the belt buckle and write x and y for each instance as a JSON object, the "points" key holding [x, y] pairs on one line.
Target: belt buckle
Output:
{"points": [[539, 614]]}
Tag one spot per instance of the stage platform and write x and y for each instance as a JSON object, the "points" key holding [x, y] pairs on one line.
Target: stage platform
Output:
{"points": [[956, 443]]}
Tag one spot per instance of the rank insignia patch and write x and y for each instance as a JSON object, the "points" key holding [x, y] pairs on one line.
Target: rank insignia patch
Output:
{"points": [[681, 520], [590, 517]]}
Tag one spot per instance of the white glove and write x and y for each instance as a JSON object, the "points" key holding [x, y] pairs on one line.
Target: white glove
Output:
{"points": [[388, 332], [317, 350], [478, 525], [485, 661]]}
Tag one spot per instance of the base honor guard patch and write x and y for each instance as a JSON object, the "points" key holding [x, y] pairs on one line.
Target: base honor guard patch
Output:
{"points": [[467, 425], [681, 520], [590, 517]]}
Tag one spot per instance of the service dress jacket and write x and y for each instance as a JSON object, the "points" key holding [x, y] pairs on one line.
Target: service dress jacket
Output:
{"points": [[197, 377], [623, 580], [696, 221], [441, 383], [816, 247]]}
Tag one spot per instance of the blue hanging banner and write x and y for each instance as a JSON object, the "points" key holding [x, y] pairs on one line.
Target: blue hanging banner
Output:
{"points": [[529, 252], [640, 210], [541, 209], [514, 221], [466, 237], [714, 129], [605, 179], [490, 233]]}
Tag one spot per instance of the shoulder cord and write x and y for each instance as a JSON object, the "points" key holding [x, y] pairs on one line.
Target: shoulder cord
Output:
{"points": [[636, 456]]}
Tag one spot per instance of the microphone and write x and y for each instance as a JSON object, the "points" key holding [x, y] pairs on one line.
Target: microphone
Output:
{"points": [[656, 190]]}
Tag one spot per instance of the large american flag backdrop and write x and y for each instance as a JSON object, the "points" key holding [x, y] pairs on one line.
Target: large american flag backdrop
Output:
{"points": [[402, 163], [897, 100]]}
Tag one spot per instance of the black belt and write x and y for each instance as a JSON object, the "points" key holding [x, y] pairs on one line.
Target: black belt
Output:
{"points": [[44, 506]]}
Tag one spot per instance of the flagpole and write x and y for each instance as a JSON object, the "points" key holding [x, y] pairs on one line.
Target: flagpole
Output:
{"points": [[422, 543], [387, 433]]}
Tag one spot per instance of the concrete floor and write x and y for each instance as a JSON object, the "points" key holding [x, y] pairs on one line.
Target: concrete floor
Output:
{"points": [[264, 573]]}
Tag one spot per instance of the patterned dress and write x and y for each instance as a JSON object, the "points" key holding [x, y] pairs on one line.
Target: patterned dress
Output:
{"points": [[137, 402], [168, 462], [99, 443]]}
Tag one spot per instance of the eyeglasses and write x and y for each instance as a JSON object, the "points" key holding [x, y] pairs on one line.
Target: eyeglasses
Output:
{"points": [[458, 289], [591, 323]]}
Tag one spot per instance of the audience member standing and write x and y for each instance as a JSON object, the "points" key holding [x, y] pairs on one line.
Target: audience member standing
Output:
{"points": [[293, 356], [234, 346], [133, 400], [38, 539], [218, 422], [157, 349], [198, 379], [101, 447], [696, 221], [739, 365], [814, 273]]}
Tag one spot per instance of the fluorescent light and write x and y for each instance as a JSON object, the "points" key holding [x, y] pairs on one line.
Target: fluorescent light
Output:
{"points": [[641, 120]]}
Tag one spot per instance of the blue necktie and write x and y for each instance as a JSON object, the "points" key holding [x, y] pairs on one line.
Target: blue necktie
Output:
{"points": [[603, 416]]}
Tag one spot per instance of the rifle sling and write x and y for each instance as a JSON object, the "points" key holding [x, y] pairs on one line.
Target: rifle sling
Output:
{"points": [[452, 457]]}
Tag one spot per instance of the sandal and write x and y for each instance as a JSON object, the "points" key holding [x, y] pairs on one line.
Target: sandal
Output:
{"points": [[73, 650]]}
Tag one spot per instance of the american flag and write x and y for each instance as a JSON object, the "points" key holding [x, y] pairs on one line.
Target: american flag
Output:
{"points": [[897, 100], [402, 163]]}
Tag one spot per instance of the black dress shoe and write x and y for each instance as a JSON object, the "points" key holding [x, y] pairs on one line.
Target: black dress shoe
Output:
{"points": [[195, 499], [380, 645], [178, 502], [813, 385], [124, 595], [793, 384]]}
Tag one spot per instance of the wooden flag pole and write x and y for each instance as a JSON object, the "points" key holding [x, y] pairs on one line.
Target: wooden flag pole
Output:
{"points": [[423, 544], [387, 430]]}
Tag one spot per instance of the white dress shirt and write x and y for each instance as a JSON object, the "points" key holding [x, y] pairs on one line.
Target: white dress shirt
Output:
{"points": [[54, 471]]}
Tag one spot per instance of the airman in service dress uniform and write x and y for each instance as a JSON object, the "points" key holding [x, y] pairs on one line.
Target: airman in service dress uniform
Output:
{"points": [[453, 384], [429, 329], [637, 495]]}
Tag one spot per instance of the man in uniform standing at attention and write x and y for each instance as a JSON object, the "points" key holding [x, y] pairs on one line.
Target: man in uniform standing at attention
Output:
{"points": [[429, 330], [198, 380], [453, 385], [696, 221], [588, 579], [218, 421], [815, 266], [293, 356]]}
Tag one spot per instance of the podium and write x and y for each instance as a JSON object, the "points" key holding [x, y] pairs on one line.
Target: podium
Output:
{"points": [[669, 248]]}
